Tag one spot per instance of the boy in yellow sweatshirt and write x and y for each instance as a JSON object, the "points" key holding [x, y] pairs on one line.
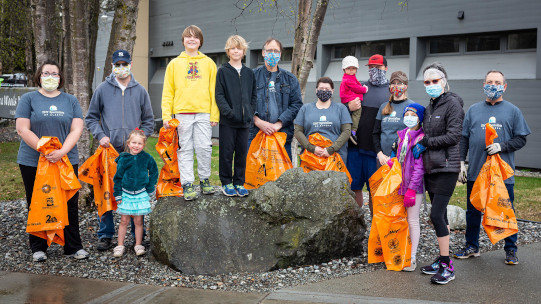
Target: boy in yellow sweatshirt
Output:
{"points": [[188, 95]]}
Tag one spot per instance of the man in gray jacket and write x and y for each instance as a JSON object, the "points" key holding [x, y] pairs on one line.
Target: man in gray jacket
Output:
{"points": [[119, 105]]}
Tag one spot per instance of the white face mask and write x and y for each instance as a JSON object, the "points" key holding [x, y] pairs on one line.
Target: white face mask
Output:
{"points": [[411, 121], [122, 71], [50, 83]]}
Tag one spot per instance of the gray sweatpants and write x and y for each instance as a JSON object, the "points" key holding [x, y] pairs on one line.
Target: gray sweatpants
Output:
{"points": [[194, 133]]}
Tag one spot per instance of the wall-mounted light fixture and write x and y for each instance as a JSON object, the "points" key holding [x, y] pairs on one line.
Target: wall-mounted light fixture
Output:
{"points": [[460, 15]]}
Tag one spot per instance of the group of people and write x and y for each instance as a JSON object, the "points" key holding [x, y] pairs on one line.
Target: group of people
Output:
{"points": [[374, 122]]}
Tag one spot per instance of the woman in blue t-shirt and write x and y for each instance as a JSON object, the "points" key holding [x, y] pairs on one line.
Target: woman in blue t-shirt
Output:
{"points": [[50, 112], [330, 119], [390, 119]]}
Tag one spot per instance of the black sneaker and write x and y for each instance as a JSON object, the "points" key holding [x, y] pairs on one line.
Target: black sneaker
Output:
{"points": [[445, 274], [432, 268], [467, 252], [511, 257], [104, 244]]}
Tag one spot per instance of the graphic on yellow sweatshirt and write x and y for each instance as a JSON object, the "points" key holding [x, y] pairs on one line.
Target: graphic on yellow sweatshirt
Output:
{"points": [[189, 87]]}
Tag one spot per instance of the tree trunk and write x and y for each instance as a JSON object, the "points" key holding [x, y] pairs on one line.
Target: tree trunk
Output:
{"points": [[29, 46], [122, 31], [306, 36], [44, 21], [81, 16], [66, 47]]}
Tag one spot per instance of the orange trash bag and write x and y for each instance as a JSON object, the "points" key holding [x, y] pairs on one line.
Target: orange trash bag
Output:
{"points": [[310, 161], [55, 184], [167, 146], [267, 159], [99, 170], [389, 239], [489, 194]]}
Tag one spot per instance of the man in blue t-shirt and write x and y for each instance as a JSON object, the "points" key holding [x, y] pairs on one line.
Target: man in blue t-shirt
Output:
{"points": [[512, 130]]}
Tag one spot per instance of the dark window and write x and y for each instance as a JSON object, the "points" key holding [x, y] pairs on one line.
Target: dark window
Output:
{"points": [[522, 40], [370, 48], [444, 45], [341, 51], [400, 47], [163, 62], [287, 54], [483, 42]]}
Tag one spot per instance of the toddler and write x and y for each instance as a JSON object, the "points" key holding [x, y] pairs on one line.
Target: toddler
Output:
{"points": [[352, 90], [134, 184]]}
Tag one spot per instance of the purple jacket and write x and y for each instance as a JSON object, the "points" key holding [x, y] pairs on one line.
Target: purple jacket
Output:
{"points": [[413, 169]]}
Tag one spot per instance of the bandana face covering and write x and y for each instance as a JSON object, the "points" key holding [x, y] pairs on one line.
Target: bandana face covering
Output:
{"points": [[122, 71], [323, 95], [493, 91], [272, 59], [377, 76], [49, 83]]}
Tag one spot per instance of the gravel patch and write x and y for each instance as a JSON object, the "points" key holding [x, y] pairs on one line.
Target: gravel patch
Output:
{"points": [[16, 255]]}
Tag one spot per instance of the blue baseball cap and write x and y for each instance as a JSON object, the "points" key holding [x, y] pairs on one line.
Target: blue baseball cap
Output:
{"points": [[121, 55]]}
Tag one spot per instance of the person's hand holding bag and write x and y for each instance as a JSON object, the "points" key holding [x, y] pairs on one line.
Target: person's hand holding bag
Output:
{"points": [[409, 198]]}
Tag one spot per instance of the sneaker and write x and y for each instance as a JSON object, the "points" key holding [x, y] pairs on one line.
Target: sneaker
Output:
{"points": [[466, 252], [241, 191], [139, 250], [189, 192], [118, 251], [432, 268], [206, 188], [81, 254], [411, 267], [39, 256], [104, 244], [445, 274], [229, 190], [511, 257], [353, 138]]}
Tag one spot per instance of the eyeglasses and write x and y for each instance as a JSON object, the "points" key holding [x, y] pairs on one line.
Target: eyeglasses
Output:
{"points": [[398, 84], [117, 65], [433, 81], [272, 51], [47, 74]]}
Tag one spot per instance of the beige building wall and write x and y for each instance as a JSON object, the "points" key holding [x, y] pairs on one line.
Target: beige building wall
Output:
{"points": [[140, 50]]}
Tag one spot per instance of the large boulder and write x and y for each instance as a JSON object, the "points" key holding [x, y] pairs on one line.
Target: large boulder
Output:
{"points": [[302, 218], [456, 217]]}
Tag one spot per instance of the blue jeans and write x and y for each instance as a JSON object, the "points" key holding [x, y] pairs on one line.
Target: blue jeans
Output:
{"points": [[107, 226], [473, 221]]}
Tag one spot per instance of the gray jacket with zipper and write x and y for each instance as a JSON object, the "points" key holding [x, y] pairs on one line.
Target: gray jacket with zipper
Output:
{"points": [[115, 114]]}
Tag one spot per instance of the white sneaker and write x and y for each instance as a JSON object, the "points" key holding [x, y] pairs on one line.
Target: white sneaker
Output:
{"points": [[39, 256], [411, 267], [118, 251], [139, 250], [81, 254]]}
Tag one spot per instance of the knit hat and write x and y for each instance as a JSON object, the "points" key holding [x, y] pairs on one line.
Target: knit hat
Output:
{"points": [[417, 109], [400, 76], [350, 61]]}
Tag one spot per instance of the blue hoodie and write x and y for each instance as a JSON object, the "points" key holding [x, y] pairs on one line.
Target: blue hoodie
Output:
{"points": [[115, 114]]}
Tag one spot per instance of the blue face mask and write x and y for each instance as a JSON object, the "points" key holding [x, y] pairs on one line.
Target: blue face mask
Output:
{"points": [[434, 90], [493, 91], [272, 59]]}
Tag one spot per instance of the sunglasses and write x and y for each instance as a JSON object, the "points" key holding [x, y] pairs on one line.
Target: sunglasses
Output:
{"points": [[117, 65], [433, 81]]}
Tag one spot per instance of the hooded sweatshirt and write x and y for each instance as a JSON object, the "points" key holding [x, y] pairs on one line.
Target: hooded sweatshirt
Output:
{"points": [[189, 87], [115, 114]]}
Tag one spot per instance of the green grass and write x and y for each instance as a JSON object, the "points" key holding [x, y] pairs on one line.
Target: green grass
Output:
{"points": [[527, 197], [11, 187]]}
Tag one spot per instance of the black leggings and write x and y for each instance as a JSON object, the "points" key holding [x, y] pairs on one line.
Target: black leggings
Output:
{"points": [[71, 232], [438, 213]]}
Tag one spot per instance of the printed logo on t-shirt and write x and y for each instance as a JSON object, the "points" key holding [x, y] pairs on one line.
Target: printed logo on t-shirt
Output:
{"points": [[492, 122], [53, 111], [193, 71], [392, 117], [393, 114], [272, 88], [322, 123]]}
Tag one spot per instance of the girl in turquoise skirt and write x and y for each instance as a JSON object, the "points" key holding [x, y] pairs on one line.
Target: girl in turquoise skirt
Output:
{"points": [[134, 184]]}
